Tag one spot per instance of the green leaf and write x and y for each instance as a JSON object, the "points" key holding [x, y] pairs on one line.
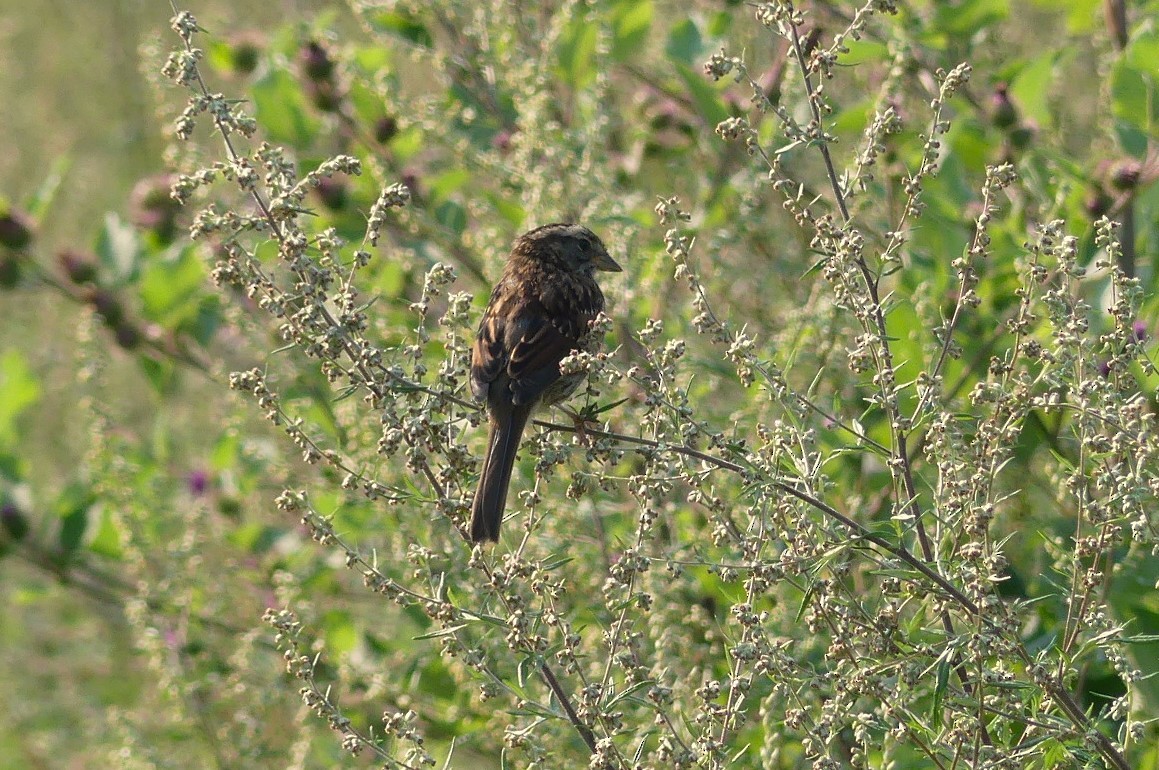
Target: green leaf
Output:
{"points": [[256, 538], [42, 200], [1133, 84], [207, 320], [407, 143], [72, 508], [963, 19], [1032, 86], [631, 20], [313, 399], [367, 102], [281, 109], [1143, 53], [372, 58], [972, 150], [864, 51], [13, 467], [805, 599], [507, 208], [708, 102], [401, 25], [171, 288], [851, 120], [449, 631], [107, 539], [943, 682], [219, 55], [685, 44], [1133, 141], [719, 24], [1082, 16], [391, 280], [452, 216], [160, 372], [226, 453], [341, 635], [577, 53], [1135, 603], [19, 389], [448, 182]]}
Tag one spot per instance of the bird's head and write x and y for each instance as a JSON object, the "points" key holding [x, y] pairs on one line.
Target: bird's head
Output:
{"points": [[572, 248]]}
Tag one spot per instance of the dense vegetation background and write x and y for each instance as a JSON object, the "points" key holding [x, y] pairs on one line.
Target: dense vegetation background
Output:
{"points": [[877, 473]]}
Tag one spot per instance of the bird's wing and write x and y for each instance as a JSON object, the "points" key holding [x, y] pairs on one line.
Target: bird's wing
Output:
{"points": [[489, 353], [523, 337], [551, 327], [534, 360]]}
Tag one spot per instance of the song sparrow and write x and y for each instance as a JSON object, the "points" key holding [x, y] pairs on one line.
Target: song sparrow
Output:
{"points": [[539, 313]]}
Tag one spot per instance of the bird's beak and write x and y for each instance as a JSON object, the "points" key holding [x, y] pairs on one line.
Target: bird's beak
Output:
{"points": [[604, 261]]}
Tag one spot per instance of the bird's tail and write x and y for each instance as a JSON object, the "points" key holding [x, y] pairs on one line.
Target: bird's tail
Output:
{"points": [[491, 495]]}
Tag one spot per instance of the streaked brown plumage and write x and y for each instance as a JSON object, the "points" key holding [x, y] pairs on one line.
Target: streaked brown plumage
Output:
{"points": [[539, 313]]}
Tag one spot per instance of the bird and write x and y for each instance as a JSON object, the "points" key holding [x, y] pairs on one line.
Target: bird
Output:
{"points": [[539, 313]]}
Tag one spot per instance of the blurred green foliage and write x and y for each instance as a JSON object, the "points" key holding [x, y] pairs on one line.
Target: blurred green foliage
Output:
{"points": [[140, 543]]}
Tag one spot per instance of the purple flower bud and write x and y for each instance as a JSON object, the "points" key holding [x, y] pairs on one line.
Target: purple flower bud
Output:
{"points": [[385, 129], [15, 229], [198, 482], [410, 178], [316, 62], [107, 305], [1097, 203], [1002, 110], [127, 335], [1124, 174], [332, 193], [502, 140], [151, 207], [79, 266], [245, 52], [13, 520]]}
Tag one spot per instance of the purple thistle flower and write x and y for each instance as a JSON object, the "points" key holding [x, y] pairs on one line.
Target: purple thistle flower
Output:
{"points": [[198, 482]]}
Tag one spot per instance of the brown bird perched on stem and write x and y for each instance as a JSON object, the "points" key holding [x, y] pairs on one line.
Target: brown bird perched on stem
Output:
{"points": [[540, 312]]}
